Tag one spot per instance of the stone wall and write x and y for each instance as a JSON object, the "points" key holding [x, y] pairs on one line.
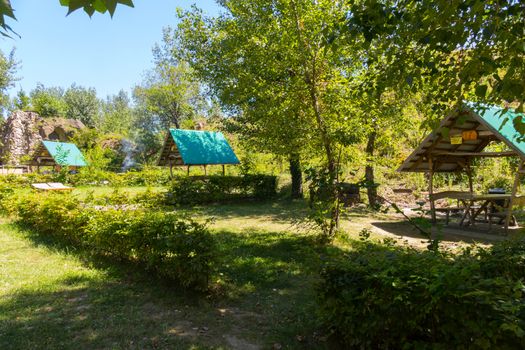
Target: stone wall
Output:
{"points": [[23, 131]]}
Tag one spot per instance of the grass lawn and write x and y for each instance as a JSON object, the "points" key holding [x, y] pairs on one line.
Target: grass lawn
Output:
{"points": [[55, 296], [52, 296]]}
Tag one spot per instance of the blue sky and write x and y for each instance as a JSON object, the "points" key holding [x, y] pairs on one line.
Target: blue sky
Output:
{"points": [[104, 53]]}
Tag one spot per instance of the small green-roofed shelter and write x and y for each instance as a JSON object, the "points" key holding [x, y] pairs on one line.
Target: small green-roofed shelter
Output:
{"points": [[195, 147], [462, 136], [51, 153]]}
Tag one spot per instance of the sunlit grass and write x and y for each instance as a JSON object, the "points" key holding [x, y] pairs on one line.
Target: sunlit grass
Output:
{"points": [[54, 298]]}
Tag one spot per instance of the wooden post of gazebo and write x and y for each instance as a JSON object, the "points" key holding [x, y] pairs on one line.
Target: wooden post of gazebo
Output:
{"points": [[431, 188], [513, 195], [469, 175]]}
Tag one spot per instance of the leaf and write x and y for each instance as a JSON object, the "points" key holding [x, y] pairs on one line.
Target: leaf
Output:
{"points": [[90, 6], [505, 121], [74, 5], [99, 6], [90, 10], [445, 132], [6, 9], [481, 91], [111, 5], [519, 125]]}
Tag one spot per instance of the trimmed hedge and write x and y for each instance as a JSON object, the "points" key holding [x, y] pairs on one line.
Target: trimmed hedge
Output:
{"points": [[173, 246], [210, 189], [145, 177], [388, 297], [150, 176]]}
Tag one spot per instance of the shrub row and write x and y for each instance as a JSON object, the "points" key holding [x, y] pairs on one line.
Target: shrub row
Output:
{"points": [[146, 199], [173, 246], [209, 189], [150, 176], [392, 297], [145, 177]]}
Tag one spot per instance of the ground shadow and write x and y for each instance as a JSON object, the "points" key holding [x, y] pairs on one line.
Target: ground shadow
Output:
{"points": [[266, 295], [447, 233], [280, 211]]}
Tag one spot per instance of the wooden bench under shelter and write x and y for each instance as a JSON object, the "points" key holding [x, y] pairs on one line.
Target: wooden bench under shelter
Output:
{"points": [[461, 137]]}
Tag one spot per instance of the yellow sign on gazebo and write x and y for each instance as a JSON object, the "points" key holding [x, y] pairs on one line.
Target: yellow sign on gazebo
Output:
{"points": [[456, 140]]}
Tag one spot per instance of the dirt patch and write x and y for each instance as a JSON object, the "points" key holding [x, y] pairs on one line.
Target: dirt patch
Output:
{"points": [[237, 343]]}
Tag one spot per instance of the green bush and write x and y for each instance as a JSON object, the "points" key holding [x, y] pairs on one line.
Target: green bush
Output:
{"points": [[56, 214], [7, 192], [498, 181], [209, 189], [173, 246], [388, 297], [25, 180], [149, 176]]}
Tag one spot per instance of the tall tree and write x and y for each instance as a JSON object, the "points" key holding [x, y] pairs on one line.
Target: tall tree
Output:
{"points": [[8, 69], [48, 102], [455, 46], [168, 96], [81, 103], [21, 101], [117, 115], [169, 93], [279, 54]]}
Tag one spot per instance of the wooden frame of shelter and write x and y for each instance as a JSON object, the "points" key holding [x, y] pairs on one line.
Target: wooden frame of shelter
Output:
{"points": [[461, 137], [196, 148], [57, 154]]}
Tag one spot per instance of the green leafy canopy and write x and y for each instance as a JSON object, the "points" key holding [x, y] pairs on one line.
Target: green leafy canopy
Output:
{"points": [[89, 6]]}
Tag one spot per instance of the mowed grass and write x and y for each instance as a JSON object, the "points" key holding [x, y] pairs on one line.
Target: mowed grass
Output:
{"points": [[53, 296]]}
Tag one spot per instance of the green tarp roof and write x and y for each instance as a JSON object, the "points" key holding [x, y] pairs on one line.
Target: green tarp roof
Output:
{"points": [[203, 147], [502, 122], [66, 154]]}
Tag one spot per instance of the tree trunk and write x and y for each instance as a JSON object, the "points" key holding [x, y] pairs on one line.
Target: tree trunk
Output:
{"points": [[311, 76], [297, 176], [331, 161], [371, 189]]}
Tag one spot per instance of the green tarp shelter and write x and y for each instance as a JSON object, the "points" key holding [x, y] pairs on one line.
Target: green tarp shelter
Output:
{"points": [[462, 136], [51, 153], [194, 147]]}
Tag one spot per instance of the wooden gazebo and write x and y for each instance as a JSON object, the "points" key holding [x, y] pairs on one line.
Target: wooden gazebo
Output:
{"points": [[462, 136], [57, 154], [196, 148]]}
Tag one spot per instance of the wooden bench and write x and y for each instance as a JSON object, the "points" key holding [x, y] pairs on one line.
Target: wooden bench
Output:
{"points": [[502, 213], [448, 211], [51, 186]]}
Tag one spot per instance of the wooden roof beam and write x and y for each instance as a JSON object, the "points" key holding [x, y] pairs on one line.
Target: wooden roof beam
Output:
{"points": [[477, 154]]}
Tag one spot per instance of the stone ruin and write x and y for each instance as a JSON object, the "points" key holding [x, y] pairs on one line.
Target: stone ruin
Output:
{"points": [[22, 132]]}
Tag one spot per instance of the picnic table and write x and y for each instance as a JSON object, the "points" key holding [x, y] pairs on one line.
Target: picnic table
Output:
{"points": [[472, 205]]}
